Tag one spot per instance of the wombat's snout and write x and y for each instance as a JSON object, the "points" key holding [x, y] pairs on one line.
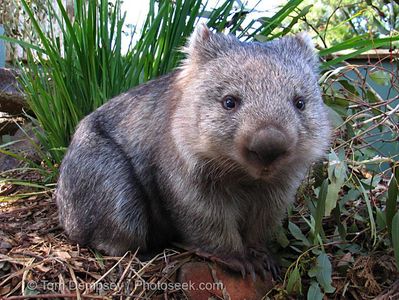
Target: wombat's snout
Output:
{"points": [[266, 146]]}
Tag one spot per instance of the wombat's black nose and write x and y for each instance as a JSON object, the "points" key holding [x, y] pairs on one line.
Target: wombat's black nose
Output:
{"points": [[266, 145]]}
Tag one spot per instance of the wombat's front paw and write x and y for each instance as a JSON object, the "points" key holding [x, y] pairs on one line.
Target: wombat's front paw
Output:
{"points": [[243, 263], [237, 263], [267, 261]]}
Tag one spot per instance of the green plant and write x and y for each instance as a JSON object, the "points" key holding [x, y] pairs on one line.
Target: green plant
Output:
{"points": [[349, 208], [338, 20]]}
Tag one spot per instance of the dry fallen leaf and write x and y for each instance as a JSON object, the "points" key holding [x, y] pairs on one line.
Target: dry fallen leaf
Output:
{"points": [[62, 254]]}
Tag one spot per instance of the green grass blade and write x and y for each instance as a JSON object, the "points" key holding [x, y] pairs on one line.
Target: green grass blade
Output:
{"points": [[321, 203], [391, 203], [395, 238], [23, 44]]}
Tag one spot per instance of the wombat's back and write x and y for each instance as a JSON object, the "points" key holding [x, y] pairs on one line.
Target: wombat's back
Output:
{"points": [[107, 192]]}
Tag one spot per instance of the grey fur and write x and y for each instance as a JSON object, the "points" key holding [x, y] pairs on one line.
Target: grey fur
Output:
{"points": [[166, 162]]}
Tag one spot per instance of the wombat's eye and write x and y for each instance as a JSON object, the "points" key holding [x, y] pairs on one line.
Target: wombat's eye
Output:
{"points": [[299, 103], [230, 102]]}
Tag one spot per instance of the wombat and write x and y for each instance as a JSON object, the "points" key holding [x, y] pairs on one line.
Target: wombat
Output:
{"points": [[208, 156]]}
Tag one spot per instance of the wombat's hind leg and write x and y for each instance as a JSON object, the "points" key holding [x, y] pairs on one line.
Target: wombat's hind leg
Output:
{"points": [[100, 197]]}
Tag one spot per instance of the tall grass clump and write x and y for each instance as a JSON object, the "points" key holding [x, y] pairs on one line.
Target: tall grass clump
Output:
{"points": [[79, 63]]}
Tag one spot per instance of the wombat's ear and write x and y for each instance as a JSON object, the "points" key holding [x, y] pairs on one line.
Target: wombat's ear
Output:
{"points": [[204, 45], [306, 44], [200, 36]]}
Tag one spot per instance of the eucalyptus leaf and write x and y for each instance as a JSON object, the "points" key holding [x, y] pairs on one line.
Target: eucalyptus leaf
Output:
{"points": [[371, 97], [322, 270], [314, 292], [337, 171], [335, 117], [281, 237], [30, 292], [380, 77], [349, 86], [297, 233], [380, 219], [294, 285]]}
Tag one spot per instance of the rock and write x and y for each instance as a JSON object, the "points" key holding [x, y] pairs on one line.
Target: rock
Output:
{"points": [[5, 245], [209, 281], [12, 100], [22, 146], [8, 123]]}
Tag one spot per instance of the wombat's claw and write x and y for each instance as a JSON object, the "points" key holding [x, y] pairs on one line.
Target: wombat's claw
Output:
{"points": [[234, 263], [261, 270], [267, 261], [274, 268], [243, 266]]}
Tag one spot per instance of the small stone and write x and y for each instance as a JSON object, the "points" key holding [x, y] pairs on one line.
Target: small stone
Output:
{"points": [[22, 146], [5, 245], [12, 100]]}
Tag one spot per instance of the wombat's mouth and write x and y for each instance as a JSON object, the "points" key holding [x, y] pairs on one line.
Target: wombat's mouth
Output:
{"points": [[261, 169], [265, 164], [265, 161]]}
